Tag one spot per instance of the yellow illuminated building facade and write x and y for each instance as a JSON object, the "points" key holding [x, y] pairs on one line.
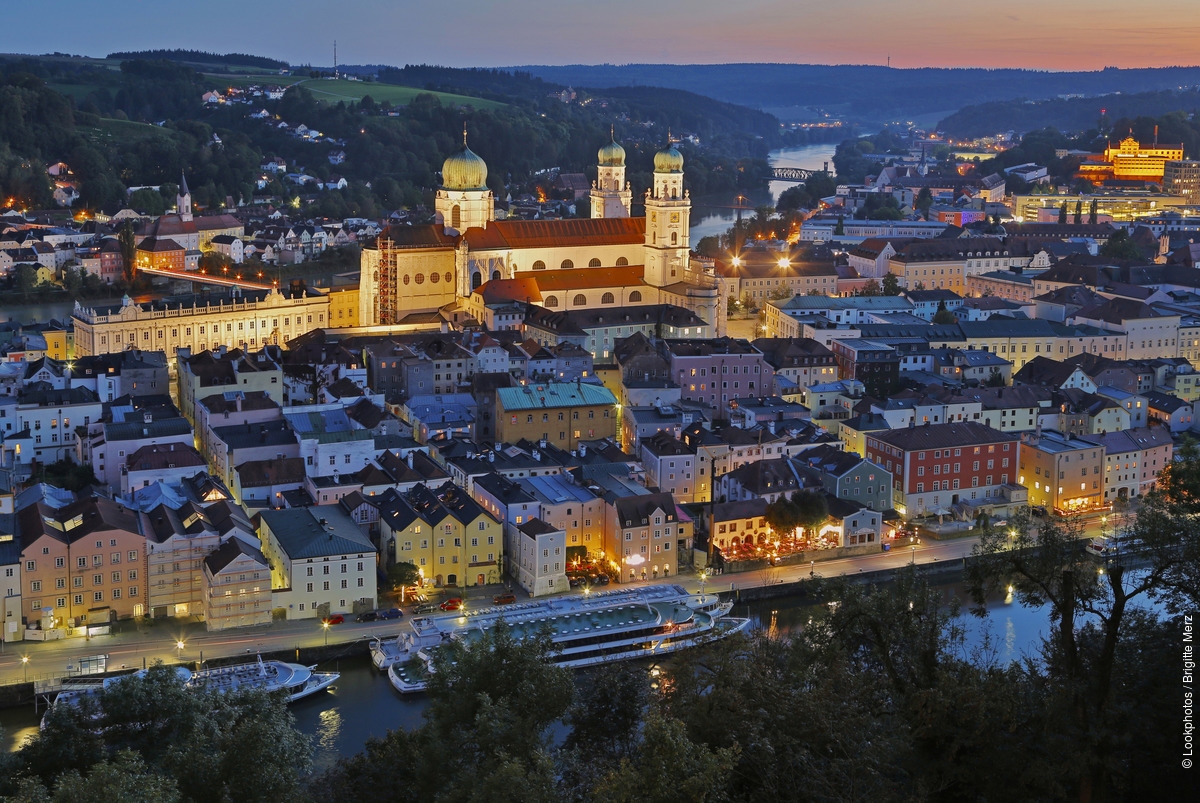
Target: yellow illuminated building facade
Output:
{"points": [[1130, 161]]}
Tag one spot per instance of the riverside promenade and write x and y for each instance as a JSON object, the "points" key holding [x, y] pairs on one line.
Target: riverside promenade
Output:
{"points": [[133, 644]]}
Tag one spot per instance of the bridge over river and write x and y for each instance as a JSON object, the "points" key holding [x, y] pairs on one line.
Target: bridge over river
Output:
{"points": [[795, 173]]}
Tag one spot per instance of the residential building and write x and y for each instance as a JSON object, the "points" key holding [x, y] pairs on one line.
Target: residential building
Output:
{"points": [[646, 536], [321, 562], [540, 558], [237, 582], [85, 560], [715, 371], [1063, 472], [559, 413], [670, 466], [446, 534], [1133, 461], [937, 466]]}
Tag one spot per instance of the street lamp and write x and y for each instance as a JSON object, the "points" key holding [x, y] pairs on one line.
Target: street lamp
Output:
{"points": [[325, 627], [25, 666], [703, 580], [179, 649], [914, 556]]}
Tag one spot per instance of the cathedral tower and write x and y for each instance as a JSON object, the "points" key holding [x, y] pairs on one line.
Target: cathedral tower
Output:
{"points": [[668, 209], [610, 193], [464, 201]]}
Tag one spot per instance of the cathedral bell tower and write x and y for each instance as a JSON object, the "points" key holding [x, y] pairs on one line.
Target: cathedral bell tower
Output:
{"points": [[610, 193], [464, 201], [668, 212]]}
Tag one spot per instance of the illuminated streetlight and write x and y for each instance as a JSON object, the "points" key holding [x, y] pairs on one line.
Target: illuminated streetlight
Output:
{"points": [[914, 556], [179, 649], [25, 666], [325, 627]]}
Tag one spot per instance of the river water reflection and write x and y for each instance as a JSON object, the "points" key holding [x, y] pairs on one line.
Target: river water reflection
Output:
{"points": [[363, 704]]}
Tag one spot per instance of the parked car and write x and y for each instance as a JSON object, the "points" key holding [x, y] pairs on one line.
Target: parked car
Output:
{"points": [[336, 619], [1038, 510], [391, 613], [504, 599], [424, 608], [452, 604], [367, 616]]}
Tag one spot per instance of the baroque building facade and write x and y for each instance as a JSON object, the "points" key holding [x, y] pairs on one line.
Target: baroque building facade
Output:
{"points": [[415, 270]]}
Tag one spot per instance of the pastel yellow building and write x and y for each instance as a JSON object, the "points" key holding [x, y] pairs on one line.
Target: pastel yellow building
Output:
{"points": [[444, 533]]}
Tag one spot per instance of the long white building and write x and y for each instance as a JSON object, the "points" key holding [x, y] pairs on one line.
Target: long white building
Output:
{"points": [[247, 321]]}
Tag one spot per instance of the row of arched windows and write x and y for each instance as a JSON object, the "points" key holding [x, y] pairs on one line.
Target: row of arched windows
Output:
{"points": [[566, 264], [434, 278], [580, 300]]}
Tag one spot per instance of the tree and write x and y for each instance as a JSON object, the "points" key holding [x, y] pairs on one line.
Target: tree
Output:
{"points": [[1121, 246], [871, 288], [1062, 213], [840, 229], [198, 738], [924, 202], [26, 279], [890, 285], [1078, 212], [128, 240], [1092, 213], [995, 379], [943, 315], [403, 574]]}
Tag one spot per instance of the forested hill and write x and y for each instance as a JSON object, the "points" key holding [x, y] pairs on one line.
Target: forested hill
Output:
{"points": [[1069, 114], [201, 57], [865, 92], [682, 111]]}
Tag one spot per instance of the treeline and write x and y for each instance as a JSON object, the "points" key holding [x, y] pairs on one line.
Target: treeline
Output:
{"points": [[200, 57], [1071, 114]]}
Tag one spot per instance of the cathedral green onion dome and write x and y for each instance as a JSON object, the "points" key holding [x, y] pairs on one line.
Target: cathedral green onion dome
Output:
{"points": [[612, 155], [464, 170], [668, 160]]}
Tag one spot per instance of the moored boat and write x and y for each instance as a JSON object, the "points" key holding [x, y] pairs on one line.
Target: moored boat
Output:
{"points": [[585, 630]]}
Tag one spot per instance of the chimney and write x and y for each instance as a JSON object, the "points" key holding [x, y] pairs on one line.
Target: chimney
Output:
{"points": [[583, 450]]}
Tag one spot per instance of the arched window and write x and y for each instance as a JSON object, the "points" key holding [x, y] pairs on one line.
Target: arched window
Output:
{"points": [[608, 298], [593, 263], [635, 297], [674, 238], [495, 274], [476, 280], [622, 262], [551, 301], [539, 265], [579, 301], [566, 263], [455, 216], [449, 277]]}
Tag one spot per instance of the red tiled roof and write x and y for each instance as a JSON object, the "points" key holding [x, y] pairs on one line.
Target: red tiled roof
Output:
{"points": [[558, 233], [522, 288], [583, 278]]}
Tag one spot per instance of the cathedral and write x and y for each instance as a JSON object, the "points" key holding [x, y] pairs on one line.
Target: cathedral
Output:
{"points": [[467, 258]]}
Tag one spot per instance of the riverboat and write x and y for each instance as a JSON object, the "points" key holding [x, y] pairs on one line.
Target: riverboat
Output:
{"points": [[297, 680], [585, 630]]}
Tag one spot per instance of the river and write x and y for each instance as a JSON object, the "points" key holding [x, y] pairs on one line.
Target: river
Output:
{"points": [[708, 216], [363, 703]]}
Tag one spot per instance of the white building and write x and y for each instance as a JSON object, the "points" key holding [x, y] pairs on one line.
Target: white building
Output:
{"points": [[321, 562]]}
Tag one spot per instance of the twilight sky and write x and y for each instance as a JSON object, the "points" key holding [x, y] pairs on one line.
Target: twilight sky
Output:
{"points": [[1041, 34]]}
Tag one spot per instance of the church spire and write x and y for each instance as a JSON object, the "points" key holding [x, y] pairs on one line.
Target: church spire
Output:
{"points": [[183, 187]]}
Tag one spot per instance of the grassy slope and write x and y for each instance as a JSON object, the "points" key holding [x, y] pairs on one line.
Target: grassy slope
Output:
{"points": [[333, 91]]}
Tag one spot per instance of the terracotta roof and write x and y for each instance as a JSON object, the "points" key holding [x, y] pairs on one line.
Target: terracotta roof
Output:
{"points": [[584, 278], [962, 433], [175, 455], [572, 232], [522, 288]]}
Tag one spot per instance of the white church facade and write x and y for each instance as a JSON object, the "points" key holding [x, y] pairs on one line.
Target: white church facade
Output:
{"points": [[608, 259]]}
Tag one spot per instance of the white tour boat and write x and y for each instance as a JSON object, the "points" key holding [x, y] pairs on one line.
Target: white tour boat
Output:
{"points": [[297, 680], [586, 630]]}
